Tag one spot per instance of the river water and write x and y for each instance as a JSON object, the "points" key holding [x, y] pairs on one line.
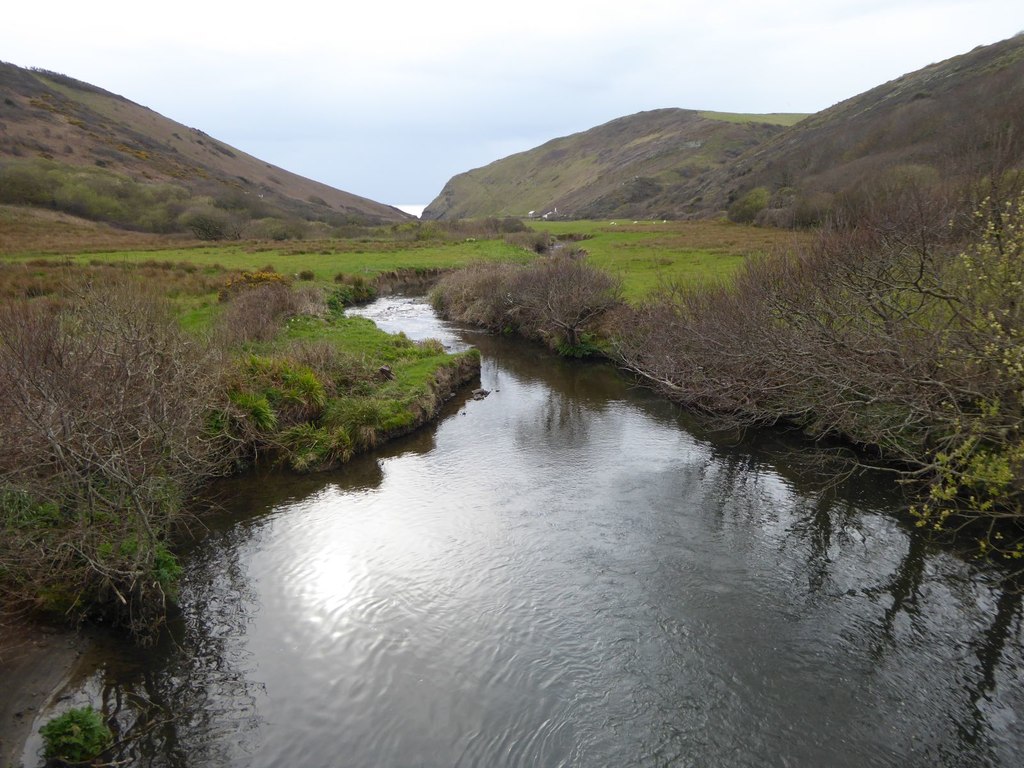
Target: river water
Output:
{"points": [[567, 573]]}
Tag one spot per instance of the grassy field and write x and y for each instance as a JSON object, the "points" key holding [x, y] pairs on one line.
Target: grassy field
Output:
{"points": [[324, 258], [772, 118], [644, 254], [191, 273], [647, 254]]}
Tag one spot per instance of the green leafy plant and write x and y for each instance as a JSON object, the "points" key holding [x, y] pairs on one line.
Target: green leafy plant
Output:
{"points": [[257, 409], [77, 736], [745, 209]]}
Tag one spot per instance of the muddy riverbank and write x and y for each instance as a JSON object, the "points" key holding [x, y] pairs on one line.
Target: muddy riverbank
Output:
{"points": [[35, 661]]}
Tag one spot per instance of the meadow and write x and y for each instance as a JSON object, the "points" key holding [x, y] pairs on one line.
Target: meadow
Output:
{"points": [[644, 255]]}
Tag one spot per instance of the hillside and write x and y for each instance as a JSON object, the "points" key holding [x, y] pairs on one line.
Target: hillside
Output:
{"points": [[631, 166], [57, 132], [940, 124]]}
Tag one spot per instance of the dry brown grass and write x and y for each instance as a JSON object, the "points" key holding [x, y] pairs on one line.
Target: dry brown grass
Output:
{"points": [[56, 278], [31, 230]]}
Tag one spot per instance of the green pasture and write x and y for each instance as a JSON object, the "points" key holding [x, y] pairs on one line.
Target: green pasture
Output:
{"points": [[324, 258], [773, 118], [643, 254], [648, 254]]}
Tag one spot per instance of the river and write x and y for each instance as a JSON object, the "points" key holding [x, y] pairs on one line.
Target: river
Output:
{"points": [[567, 573]]}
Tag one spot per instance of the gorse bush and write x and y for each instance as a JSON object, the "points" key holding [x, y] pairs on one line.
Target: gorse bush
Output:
{"points": [[243, 282]]}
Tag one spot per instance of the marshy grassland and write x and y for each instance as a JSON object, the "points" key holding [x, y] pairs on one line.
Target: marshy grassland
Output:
{"points": [[649, 255]]}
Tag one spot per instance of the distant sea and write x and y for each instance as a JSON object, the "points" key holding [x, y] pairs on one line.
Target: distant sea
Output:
{"points": [[415, 210]]}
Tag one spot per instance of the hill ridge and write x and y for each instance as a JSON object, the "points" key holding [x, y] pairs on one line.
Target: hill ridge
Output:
{"points": [[938, 123], [83, 128]]}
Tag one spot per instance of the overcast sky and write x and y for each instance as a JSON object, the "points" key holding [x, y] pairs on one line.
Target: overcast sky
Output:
{"points": [[390, 99]]}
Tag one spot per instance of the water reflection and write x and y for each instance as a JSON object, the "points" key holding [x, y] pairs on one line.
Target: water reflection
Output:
{"points": [[562, 574], [193, 700]]}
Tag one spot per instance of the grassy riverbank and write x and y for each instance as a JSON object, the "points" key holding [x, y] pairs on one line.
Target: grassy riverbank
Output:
{"points": [[128, 383]]}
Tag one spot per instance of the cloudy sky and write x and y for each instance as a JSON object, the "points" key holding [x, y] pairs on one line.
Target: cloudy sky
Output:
{"points": [[390, 99]]}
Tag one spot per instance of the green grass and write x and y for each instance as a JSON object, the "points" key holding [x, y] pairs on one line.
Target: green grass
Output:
{"points": [[356, 336], [370, 408], [359, 338], [325, 259], [198, 313], [772, 118], [644, 254], [648, 254]]}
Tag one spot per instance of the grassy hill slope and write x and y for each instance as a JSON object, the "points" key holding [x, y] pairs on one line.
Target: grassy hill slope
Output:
{"points": [[939, 125], [53, 125], [632, 166]]}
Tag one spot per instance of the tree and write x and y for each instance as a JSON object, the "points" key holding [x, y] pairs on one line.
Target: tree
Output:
{"points": [[560, 298]]}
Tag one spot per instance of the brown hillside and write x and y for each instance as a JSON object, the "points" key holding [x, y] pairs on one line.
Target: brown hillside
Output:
{"points": [[51, 116], [945, 122]]}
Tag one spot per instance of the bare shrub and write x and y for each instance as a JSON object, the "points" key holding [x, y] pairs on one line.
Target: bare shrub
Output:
{"points": [[256, 314], [702, 346], [103, 408], [212, 225], [558, 300], [887, 333], [310, 301], [480, 294]]}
